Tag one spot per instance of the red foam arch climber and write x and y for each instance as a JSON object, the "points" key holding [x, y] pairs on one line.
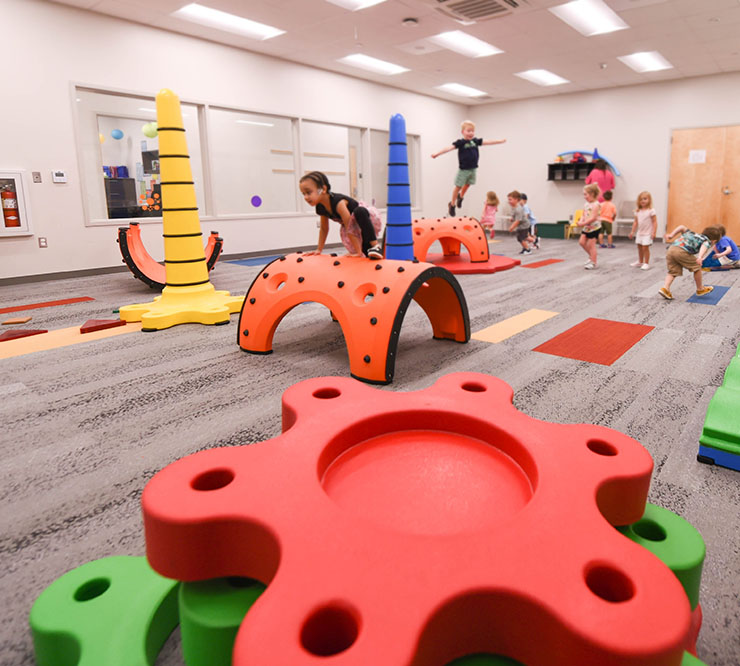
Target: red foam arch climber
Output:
{"points": [[368, 298], [142, 265], [452, 233]]}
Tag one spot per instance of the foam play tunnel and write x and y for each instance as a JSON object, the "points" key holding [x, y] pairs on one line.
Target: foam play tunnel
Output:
{"points": [[369, 300]]}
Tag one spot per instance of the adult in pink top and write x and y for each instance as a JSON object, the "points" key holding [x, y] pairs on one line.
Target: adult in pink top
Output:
{"points": [[601, 175]]}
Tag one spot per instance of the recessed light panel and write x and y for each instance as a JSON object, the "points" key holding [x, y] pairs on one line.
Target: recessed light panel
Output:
{"points": [[238, 25], [645, 61], [589, 17], [372, 64], [467, 45], [354, 5], [542, 77], [461, 90]]}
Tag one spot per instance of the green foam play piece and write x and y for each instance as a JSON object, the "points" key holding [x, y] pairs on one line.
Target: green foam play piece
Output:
{"points": [[115, 611], [722, 423], [211, 612], [675, 542]]}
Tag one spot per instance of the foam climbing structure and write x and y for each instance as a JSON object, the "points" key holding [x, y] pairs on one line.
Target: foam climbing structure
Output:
{"points": [[453, 233], [368, 298], [144, 267], [417, 528], [720, 438]]}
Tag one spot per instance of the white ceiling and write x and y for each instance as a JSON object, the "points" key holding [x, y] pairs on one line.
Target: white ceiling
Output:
{"points": [[698, 37]]}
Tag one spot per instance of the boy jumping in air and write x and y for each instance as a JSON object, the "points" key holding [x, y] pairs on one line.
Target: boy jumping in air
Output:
{"points": [[467, 156]]}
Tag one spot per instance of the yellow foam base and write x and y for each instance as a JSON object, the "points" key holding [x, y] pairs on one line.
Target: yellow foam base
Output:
{"points": [[62, 337], [509, 327], [201, 304]]}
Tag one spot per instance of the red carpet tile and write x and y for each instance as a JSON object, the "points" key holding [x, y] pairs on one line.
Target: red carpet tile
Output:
{"points": [[544, 262], [595, 340], [47, 304]]}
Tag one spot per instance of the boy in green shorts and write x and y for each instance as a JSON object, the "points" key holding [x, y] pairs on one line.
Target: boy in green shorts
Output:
{"points": [[467, 156]]}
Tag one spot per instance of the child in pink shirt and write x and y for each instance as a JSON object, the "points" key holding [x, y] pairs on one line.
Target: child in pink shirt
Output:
{"points": [[488, 219], [646, 226]]}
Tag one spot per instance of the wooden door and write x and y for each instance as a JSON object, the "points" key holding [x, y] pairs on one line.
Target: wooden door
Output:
{"points": [[730, 197], [704, 184]]}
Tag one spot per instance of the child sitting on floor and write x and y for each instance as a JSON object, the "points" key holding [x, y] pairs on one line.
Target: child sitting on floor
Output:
{"points": [[724, 254], [687, 251]]}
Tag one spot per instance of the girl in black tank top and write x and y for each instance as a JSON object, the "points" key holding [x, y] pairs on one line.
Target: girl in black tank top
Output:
{"points": [[358, 232]]}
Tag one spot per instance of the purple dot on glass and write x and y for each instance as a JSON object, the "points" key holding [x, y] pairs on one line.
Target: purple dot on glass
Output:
{"points": [[256, 201]]}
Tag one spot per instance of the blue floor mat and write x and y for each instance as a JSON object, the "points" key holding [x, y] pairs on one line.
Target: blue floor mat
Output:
{"points": [[254, 261], [712, 298]]}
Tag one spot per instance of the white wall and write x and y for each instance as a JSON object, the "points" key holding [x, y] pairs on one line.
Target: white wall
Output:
{"points": [[62, 46], [631, 126]]}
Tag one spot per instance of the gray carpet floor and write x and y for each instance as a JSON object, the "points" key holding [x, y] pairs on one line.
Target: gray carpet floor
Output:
{"points": [[85, 427]]}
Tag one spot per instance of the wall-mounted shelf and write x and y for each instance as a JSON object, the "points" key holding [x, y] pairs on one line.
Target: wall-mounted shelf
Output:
{"points": [[560, 171]]}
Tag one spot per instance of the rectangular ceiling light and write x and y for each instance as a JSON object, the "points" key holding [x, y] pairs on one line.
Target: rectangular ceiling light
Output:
{"points": [[542, 77], [354, 5], [238, 25], [461, 90], [372, 64], [254, 122], [589, 17], [646, 61], [467, 45]]}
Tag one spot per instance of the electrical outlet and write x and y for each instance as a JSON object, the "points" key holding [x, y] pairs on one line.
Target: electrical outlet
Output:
{"points": [[36, 176], [42, 242]]}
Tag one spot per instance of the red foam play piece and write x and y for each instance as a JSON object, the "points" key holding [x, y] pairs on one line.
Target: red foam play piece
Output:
{"points": [[544, 262], [99, 324], [47, 304], [461, 263], [595, 340], [14, 334], [415, 528]]}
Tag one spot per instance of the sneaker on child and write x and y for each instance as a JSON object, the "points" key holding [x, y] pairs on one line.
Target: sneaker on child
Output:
{"points": [[645, 267], [703, 290], [590, 266], [451, 209], [665, 294], [459, 201], [375, 252], [635, 264]]}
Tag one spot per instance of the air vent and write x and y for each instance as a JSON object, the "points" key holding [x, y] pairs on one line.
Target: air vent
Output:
{"points": [[477, 10]]}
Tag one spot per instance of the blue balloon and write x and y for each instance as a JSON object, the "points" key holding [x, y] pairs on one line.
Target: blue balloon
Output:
{"points": [[117, 134]]}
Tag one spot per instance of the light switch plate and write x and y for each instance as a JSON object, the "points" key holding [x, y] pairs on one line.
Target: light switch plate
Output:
{"points": [[58, 176]]}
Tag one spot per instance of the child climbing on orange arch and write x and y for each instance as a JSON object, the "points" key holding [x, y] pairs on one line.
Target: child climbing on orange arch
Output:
{"points": [[360, 224]]}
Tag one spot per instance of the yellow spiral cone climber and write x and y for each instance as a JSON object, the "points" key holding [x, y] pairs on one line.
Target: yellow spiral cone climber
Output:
{"points": [[189, 296]]}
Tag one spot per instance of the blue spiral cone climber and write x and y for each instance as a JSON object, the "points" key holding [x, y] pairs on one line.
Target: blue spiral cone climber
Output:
{"points": [[399, 242]]}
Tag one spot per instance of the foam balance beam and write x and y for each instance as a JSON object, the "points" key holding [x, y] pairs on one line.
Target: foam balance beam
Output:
{"points": [[368, 298], [151, 272]]}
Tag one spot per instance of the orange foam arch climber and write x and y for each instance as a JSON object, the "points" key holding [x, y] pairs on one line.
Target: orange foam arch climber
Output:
{"points": [[151, 272], [452, 233], [368, 298]]}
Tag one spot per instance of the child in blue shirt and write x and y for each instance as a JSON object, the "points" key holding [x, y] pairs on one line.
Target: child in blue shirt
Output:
{"points": [[724, 254], [467, 156]]}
